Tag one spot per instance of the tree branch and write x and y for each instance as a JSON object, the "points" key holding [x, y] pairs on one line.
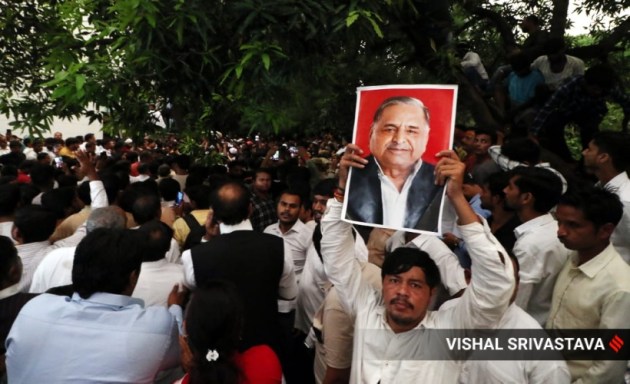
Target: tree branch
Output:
{"points": [[605, 45]]}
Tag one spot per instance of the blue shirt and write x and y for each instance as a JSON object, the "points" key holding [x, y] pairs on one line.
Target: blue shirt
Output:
{"points": [[104, 339], [522, 89]]}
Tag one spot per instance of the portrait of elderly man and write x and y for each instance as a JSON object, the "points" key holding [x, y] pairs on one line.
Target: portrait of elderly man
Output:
{"points": [[396, 188]]}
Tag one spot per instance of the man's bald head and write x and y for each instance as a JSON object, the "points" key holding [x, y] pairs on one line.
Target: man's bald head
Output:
{"points": [[231, 203]]}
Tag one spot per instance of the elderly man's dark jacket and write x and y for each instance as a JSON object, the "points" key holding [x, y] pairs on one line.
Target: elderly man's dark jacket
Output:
{"points": [[365, 202]]}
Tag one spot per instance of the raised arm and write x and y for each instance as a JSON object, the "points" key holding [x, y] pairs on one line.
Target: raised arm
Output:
{"points": [[487, 298], [337, 244]]}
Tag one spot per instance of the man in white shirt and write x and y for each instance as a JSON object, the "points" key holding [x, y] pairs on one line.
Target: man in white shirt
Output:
{"points": [[606, 157], [593, 289], [32, 227], [556, 66], [290, 228], [389, 325], [55, 270], [157, 275], [532, 192]]}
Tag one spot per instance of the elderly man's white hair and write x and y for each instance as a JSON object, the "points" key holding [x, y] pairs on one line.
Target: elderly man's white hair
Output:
{"points": [[107, 217]]}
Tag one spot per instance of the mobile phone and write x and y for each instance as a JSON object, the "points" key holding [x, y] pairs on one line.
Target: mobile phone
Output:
{"points": [[180, 198], [58, 162]]}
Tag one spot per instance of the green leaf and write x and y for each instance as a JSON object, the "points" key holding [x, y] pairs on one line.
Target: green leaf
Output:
{"points": [[376, 27], [239, 71], [352, 17], [79, 82], [266, 60]]}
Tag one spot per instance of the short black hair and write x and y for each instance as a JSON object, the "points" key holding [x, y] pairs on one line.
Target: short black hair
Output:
{"points": [[104, 260], [292, 192], [544, 185], [598, 205], [616, 145], [35, 223], [146, 207], [43, 176], [9, 199], [325, 187], [523, 150], [59, 200], [402, 259], [83, 191], [8, 257], [497, 182], [230, 202], [488, 132], [158, 239], [168, 189], [200, 195]]}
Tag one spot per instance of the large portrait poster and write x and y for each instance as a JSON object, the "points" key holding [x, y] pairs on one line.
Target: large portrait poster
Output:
{"points": [[400, 129]]}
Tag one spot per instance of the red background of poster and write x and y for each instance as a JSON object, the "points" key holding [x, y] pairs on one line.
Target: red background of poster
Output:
{"points": [[438, 101]]}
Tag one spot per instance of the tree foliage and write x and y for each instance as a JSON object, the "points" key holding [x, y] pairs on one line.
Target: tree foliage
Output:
{"points": [[251, 65]]}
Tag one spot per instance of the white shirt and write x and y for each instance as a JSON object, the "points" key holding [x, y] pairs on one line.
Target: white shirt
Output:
{"points": [[31, 255], [394, 202], [554, 80], [138, 179], [5, 230], [541, 257], [620, 185], [314, 284], [287, 288], [515, 371], [472, 60], [451, 271], [388, 357], [594, 295], [156, 281], [55, 270], [299, 238]]}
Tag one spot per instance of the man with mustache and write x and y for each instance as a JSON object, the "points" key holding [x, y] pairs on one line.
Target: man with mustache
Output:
{"points": [[396, 187], [392, 342]]}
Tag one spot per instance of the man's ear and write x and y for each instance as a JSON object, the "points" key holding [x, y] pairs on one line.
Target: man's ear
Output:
{"points": [[16, 235], [603, 158], [605, 231], [527, 198]]}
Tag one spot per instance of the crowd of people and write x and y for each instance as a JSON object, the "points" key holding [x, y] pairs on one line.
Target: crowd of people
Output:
{"points": [[127, 261]]}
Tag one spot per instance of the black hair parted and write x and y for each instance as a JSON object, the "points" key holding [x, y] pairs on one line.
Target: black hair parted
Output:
{"points": [[403, 259]]}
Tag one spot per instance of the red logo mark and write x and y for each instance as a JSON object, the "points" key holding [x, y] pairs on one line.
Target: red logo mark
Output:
{"points": [[616, 343]]}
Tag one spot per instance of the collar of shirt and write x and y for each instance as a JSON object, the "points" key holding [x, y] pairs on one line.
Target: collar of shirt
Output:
{"points": [[244, 225], [109, 299], [9, 291], [618, 182], [532, 224], [157, 264], [592, 267], [298, 227], [32, 247]]}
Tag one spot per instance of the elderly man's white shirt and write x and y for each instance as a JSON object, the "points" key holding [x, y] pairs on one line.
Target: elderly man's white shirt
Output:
{"points": [[31, 254], [541, 257], [394, 202], [482, 306], [156, 281], [55, 270]]}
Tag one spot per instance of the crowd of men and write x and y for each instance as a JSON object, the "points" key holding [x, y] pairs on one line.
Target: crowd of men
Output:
{"points": [[102, 241]]}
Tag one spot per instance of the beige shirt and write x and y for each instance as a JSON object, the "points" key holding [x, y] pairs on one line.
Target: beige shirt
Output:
{"points": [[594, 295]]}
